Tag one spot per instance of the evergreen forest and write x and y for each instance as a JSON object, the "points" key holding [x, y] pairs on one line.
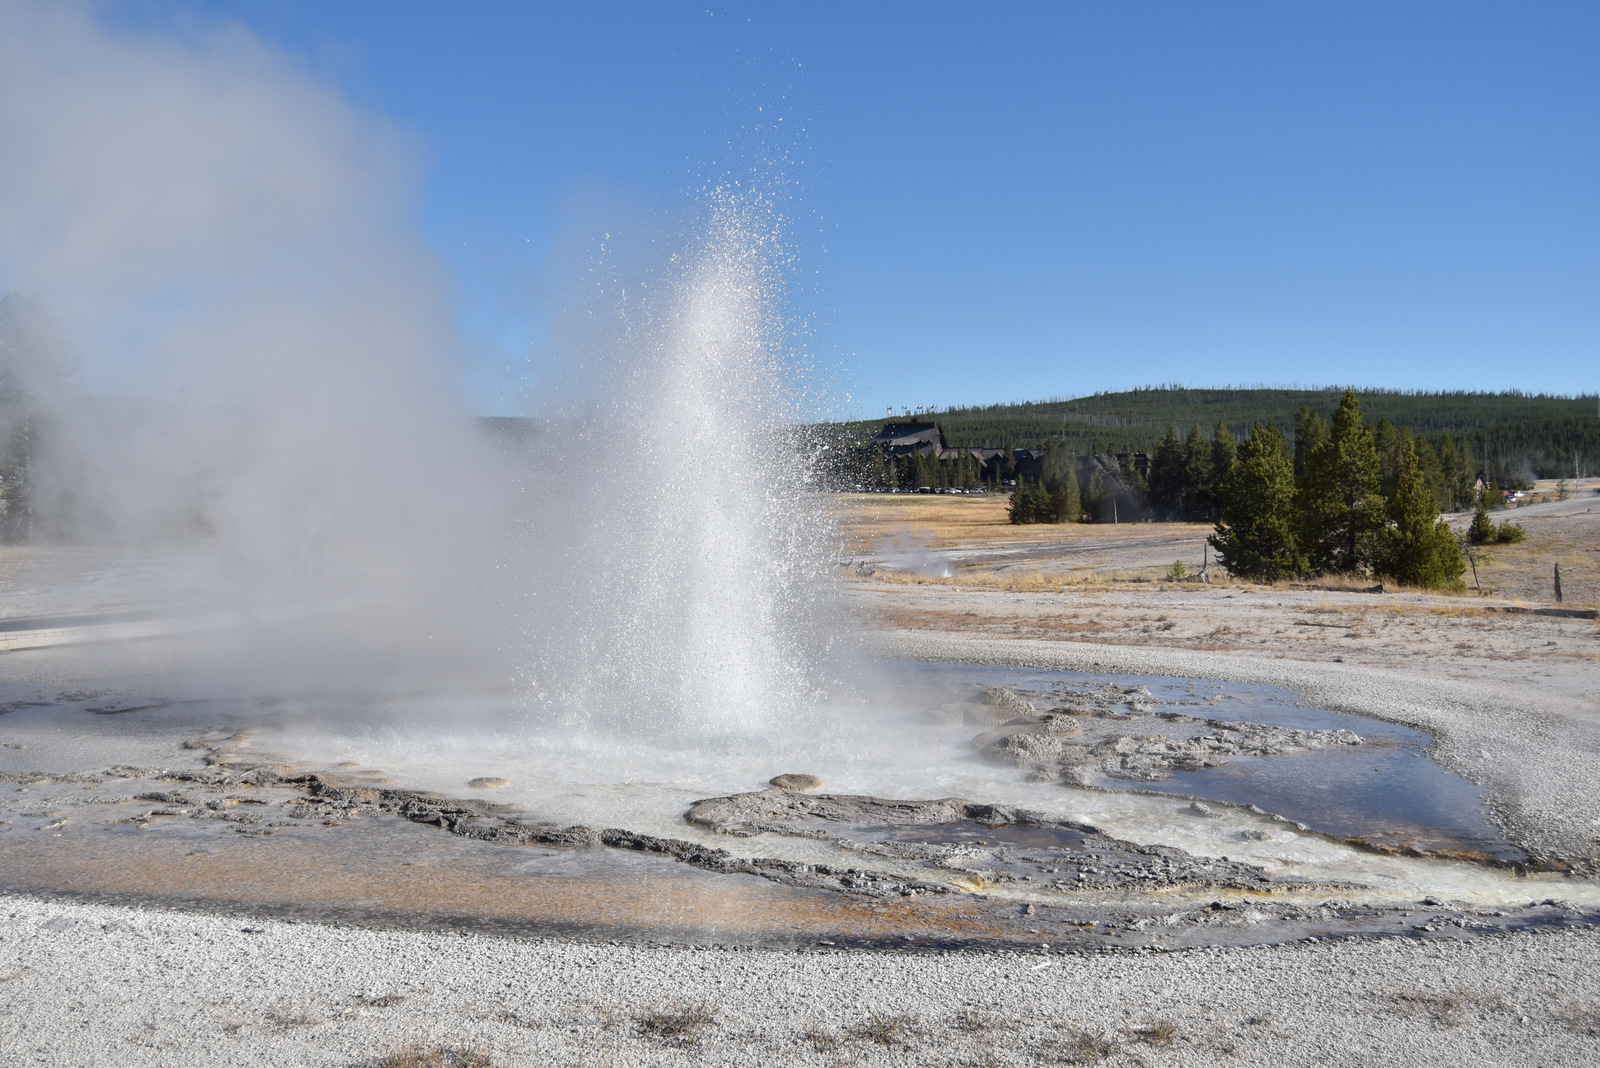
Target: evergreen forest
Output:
{"points": [[1345, 498], [1511, 436], [1340, 501]]}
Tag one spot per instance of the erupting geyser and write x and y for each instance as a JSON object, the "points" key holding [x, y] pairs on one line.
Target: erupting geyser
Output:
{"points": [[267, 413], [688, 595]]}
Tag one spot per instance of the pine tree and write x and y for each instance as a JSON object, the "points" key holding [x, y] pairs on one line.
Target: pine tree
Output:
{"points": [[1389, 440], [1432, 469], [1021, 507], [1418, 550], [1341, 511], [1197, 485], [1456, 472], [1068, 499], [878, 474], [1224, 453], [1481, 532], [1485, 531], [1044, 505], [1255, 532], [1310, 431], [1096, 501], [1058, 475], [1166, 477]]}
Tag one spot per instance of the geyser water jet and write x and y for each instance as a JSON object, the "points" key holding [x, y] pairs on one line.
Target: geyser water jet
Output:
{"points": [[696, 604]]}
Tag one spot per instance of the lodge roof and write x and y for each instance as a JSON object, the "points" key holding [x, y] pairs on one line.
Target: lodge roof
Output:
{"points": [[910, 433]]}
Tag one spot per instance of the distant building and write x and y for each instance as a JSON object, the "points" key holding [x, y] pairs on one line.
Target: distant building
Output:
{"points": [[1135, 461], [915, 437], [906, 438]]}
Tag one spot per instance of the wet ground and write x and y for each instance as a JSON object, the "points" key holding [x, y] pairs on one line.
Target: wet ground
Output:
{"points": [[128, 798], [250, 856], [1383, 791]]}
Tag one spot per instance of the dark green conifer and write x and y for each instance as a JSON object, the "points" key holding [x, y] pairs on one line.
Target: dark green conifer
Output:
{"points": [[878, 474], [1020, 510], [1456, 475], [1068, 499], [1418, 550], [1310, 431], [1432, 469], [1224, 452], [1481, 532], [1197, 487], [1341, 512], [1166, 477], [1389, 441], [1255, 535], [1096, 501], [1044, 505]]}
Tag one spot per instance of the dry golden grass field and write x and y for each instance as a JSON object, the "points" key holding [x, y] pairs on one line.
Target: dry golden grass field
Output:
{"points": [[983, 549], [955, 565]]}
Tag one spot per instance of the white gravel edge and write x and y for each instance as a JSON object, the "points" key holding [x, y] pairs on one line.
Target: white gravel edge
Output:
{"points": [[92, 985]]}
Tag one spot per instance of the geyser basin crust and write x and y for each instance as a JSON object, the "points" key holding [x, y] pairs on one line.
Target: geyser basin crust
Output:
{"points": [[1259, 749], [1538, 760], [208, 819], [160, 792]]}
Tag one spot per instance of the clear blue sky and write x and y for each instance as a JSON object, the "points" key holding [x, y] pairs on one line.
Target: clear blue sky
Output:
{"points": [[1013, 201]]}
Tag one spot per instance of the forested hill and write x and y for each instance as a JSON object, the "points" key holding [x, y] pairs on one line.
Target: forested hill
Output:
{"points": [[1541, 433]]}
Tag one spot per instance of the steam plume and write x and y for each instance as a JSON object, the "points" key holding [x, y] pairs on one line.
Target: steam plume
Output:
{"points": [[226, 241]]}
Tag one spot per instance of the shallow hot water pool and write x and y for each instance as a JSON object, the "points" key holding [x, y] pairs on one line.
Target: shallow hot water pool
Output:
{"points": [[894, 739], [1386, 791], [892, 743]]}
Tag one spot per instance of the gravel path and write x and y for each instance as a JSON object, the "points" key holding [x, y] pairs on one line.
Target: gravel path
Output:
{"points": [[100, 985]]}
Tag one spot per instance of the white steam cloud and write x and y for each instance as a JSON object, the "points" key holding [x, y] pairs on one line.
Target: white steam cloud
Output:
{"points": [[227, 242]]}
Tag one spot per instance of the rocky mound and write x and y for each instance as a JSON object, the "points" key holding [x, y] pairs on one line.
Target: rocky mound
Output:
{"points": [[1067, 744]]}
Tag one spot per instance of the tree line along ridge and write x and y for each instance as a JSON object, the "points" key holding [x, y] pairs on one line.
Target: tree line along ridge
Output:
{"points": [[1507, 435], [1342, 495]]}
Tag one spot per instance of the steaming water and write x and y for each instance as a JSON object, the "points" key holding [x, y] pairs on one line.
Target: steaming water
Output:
{"points": [[905, 551], [1386, 791], [885, 745], [694, 605]]}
